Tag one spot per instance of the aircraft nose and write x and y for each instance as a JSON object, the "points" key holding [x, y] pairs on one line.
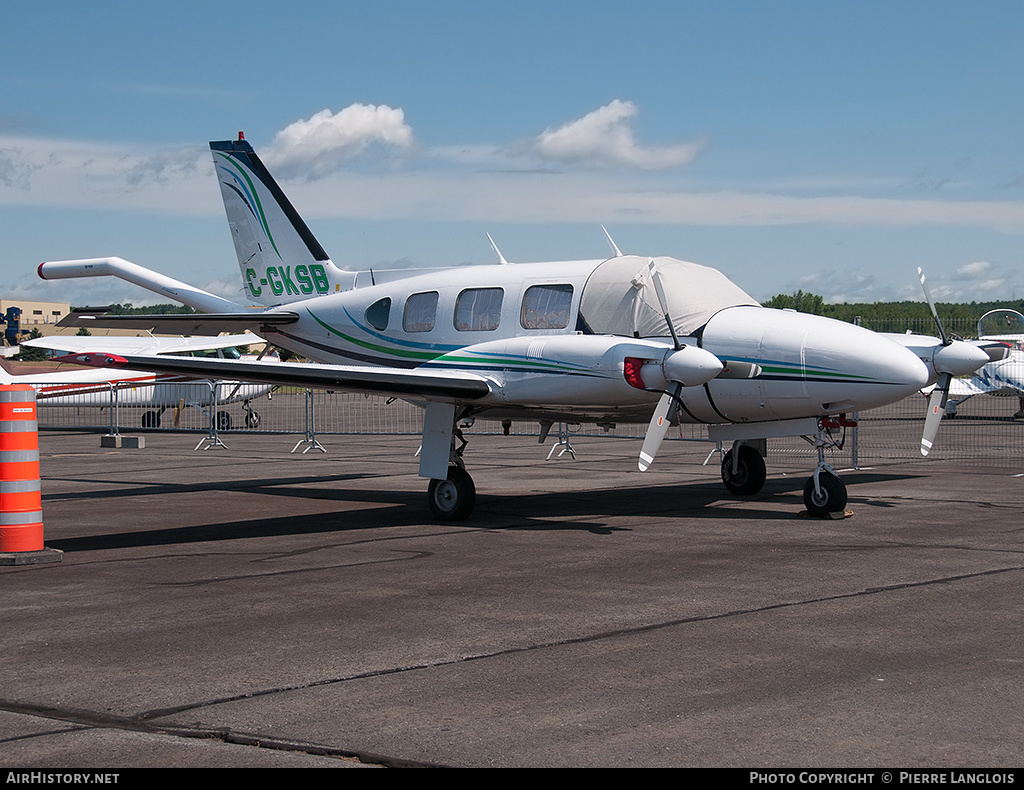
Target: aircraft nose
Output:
{"points": [[916, 372], [907, 369], [866, 369]]}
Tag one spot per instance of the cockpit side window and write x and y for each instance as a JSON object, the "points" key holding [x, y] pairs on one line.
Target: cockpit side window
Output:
{"points": [[478, 309], [420, 312], [377, 314], [546, 307]]}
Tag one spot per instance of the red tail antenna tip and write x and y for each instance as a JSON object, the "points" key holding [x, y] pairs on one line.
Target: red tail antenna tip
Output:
{"points": [[241, 136]]}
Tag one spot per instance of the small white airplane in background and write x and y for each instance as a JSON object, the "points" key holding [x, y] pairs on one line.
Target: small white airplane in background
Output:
{"points": [[157, 392], [1001, 377], [608, 340]]}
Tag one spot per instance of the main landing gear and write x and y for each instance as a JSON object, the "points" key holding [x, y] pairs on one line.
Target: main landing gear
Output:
{"points": [[453, 498], [743, 470]]}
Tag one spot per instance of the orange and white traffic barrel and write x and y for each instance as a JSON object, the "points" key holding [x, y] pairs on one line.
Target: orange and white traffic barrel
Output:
{"points": [[21, 511]]}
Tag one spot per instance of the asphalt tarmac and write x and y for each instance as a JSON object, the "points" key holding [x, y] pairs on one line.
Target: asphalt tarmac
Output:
{"points": [[245, 606]]}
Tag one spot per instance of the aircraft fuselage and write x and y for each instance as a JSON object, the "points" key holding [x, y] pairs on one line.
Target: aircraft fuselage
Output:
{"points": [[557, 367]]}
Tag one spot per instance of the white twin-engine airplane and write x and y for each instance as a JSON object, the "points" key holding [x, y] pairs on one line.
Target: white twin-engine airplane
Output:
{"points": [[606, 341]]}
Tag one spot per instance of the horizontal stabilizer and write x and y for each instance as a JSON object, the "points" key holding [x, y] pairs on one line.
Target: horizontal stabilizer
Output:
{"points": [[182, 323]]}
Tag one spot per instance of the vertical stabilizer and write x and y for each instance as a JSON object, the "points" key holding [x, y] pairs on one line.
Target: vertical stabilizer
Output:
{"points": [[280, 259]]}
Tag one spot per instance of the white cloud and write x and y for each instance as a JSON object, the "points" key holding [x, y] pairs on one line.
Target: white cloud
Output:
{"points": [[605, 137], [843, 286], [977, 281], [975, 269], [88, 175], [321, 144]]}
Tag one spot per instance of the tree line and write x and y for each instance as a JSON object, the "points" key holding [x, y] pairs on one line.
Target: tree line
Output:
{"points": [[889, 311]]}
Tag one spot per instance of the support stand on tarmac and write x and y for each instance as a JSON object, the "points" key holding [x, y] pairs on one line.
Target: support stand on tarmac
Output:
{"points": [[563, 442], [213, 439], [310, 441]]}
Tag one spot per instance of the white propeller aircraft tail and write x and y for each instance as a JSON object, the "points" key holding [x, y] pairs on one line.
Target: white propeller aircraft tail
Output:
{"points": [[280, 259], [606, 340]]}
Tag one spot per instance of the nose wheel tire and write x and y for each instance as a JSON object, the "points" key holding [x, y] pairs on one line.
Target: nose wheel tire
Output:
{"points": [[452, 499], [750, 473], [831, 498]]}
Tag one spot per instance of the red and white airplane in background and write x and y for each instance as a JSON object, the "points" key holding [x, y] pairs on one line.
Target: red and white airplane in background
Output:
{"points": [[625, 338], [92, 387]]}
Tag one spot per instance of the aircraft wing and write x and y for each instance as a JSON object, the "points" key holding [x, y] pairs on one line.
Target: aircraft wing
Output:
{"points": [[181, 323], [430, 385], [75, 344], [962, 389]]}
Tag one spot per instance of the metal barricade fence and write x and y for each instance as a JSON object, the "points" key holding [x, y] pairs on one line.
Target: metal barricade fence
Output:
{"points": [[983, 433]]}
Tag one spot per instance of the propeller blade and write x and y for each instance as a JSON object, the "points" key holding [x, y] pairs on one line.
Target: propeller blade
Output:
{"points": [[658, 428], [931, 305], [936, 407], [659, 289]]}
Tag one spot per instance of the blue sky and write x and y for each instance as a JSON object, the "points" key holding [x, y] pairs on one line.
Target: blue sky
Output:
{"points": [[824, 146]]}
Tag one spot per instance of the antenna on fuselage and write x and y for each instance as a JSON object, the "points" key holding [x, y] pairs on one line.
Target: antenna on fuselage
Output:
{"points": [[501, 258], [615, 247]]}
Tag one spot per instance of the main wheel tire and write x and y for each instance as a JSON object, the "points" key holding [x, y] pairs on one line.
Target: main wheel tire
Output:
{"points": [[151, 419], [223, 421], [832, 498], [750, 472], [452, 499]]}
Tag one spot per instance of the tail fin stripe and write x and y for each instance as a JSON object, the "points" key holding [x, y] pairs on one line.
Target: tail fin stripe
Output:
{"points": [[254, 200]]}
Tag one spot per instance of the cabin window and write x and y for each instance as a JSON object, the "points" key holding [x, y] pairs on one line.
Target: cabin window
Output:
{"points": [[420, 312], [546, 307], [377, 314], [478, 309]]}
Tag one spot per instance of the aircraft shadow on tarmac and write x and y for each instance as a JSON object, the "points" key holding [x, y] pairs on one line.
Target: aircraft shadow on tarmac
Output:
{"points": [[780, 500]]}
